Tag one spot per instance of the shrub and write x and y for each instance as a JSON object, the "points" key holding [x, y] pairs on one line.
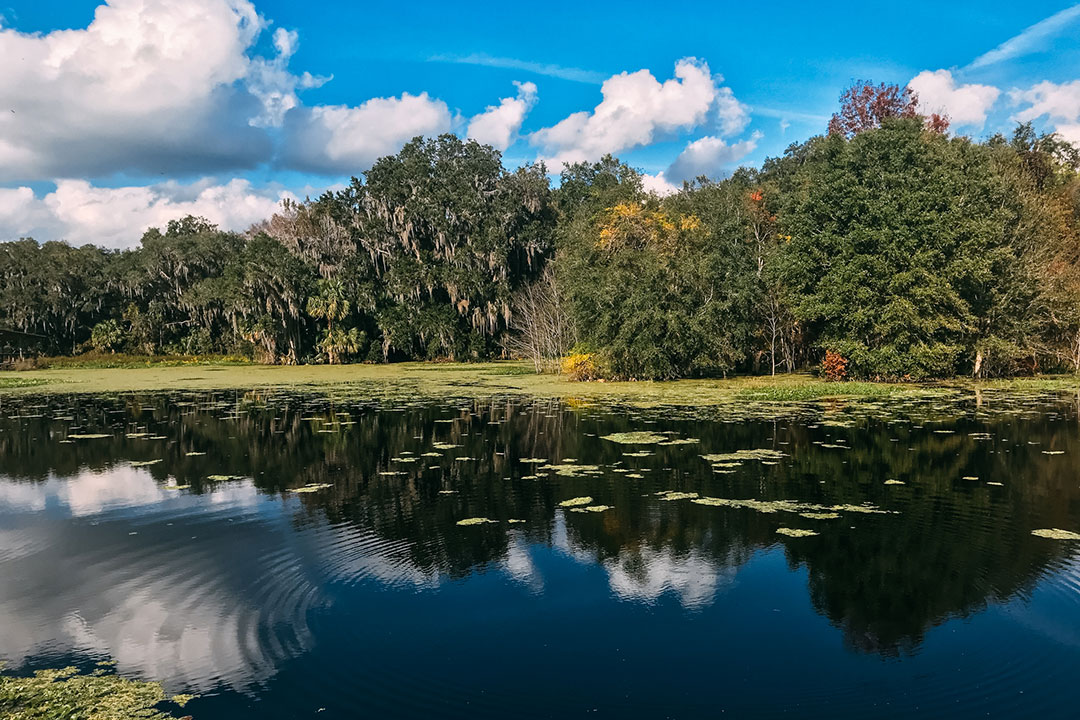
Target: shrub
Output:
{"points": [[107, 336], [581, 366], [835, 366]]}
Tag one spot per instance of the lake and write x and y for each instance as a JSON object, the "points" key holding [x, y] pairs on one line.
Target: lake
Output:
{"points": [[289, 554]]}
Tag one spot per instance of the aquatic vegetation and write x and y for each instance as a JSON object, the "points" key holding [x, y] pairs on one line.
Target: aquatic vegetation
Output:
{"points": [[145, 463], [638, 454], [444, 446], [792, 506], [894, 482], [476, 521], [572, 469], [598, 508], [642, 437], [576, 502], [819, 515], [64, 693], [795, 532], [681, 441], [676, 495], [739, 456], [88, 436], [194, 454], [532, 461], [224, 478], [515, 521], [310, 488], [1056, 534]]}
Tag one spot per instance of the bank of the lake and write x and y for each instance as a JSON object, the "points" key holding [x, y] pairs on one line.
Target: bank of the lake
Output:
{"points": [[485, 379]]}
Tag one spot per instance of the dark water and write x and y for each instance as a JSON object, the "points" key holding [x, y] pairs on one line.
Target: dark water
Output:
{"points": [[367, 599]]}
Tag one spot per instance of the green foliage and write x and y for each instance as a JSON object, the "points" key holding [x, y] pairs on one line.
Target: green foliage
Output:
{"points": [[904, 247], [107, 336], [655, 289], [909, 253]]}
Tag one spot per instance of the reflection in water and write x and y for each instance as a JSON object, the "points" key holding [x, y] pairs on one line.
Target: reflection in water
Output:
{"points": [[176, 546]]}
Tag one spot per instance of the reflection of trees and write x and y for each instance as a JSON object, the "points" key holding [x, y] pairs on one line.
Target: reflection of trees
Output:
{"points": [[955, 546]]}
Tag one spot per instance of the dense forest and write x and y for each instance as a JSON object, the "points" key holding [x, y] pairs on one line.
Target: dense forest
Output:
{"points": [[886, 248]]}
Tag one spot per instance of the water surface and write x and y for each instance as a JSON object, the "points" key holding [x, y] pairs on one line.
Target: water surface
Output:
{"points": [[163, 532]]}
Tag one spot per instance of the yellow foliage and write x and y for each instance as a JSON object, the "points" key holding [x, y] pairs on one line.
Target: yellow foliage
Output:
{"points": [[629, 224], [581, 366]]}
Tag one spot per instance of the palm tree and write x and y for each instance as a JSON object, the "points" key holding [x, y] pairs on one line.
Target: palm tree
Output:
{"points": [[332, 304]]}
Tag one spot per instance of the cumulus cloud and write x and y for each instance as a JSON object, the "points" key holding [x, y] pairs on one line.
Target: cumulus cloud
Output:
{"points": [[335, 139], [636, 108], [658, 184], [965, 105], [149, 85], [116, 217], [498, 125], [1059, 102], [709, 156]]}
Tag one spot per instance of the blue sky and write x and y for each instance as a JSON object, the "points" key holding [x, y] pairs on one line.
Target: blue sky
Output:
{"points": [[126, 112]]}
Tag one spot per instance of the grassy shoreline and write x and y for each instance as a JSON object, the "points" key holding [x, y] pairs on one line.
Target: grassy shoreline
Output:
{"points": [[485, 379]]}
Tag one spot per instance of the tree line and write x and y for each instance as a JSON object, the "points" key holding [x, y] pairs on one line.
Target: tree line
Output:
{"points": [[886, 248]]}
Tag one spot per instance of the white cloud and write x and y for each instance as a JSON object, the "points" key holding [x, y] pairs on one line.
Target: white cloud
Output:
{"points": [[1031, 40], [709, 156], [1070, 132], [271, 82], [343, 139], [498, 125], [658, 184], [116, 217], [636, 108], [965, 105], [1060, 103], [149, 85]]}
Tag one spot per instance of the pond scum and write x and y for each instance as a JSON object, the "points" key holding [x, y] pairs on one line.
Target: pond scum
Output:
{"points": [[66, 693]]}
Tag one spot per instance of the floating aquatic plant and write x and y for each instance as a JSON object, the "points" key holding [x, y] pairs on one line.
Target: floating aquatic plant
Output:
{"points": [[224, 478], [1056, 534], [88, 436], [572, 469], [576, 502], [795, 532], [144, 463], [894, 482], [676, 495], [641, 437], [475, 521], [66, 693], [311, 487], [734, 458]]}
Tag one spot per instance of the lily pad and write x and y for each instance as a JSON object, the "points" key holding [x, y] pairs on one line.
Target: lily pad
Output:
{"points": [[475, 521], [576, 502]]}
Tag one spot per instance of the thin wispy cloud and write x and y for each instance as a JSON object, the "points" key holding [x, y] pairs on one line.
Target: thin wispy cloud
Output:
{"points": [[781, 114], [557, 71], [1030, 40]]}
